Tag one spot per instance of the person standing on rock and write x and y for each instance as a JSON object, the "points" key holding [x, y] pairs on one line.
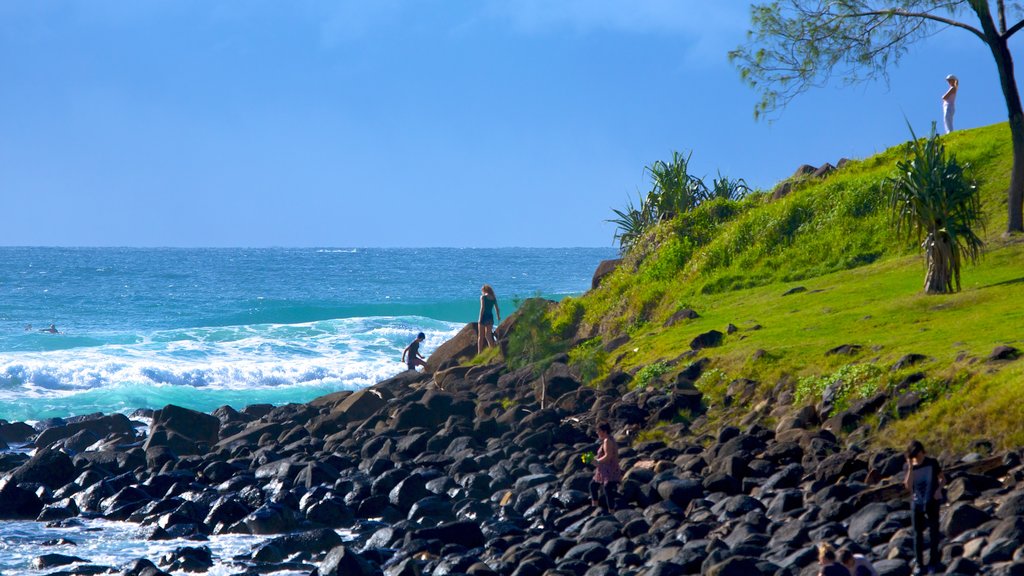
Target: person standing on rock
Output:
{"points": [[412, 352], [857, 564], [488, 310], [827, 561], [925, 480], [608, 474], [949, 102]]}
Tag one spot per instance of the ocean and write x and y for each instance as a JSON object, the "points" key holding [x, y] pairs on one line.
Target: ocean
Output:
{"points": [[201, 328]]}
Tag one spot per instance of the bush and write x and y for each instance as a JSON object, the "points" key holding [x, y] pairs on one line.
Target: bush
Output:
{"points": [[852, 381], [533, 339], [590, 360], [650, 374]]}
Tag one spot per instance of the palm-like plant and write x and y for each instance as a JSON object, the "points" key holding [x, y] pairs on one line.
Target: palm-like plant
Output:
{"points": [[673, 189], [631, 223], [728, 188], [932, 198]]}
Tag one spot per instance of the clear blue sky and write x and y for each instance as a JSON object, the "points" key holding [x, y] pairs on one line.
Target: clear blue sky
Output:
{"points": [[404, 123]]}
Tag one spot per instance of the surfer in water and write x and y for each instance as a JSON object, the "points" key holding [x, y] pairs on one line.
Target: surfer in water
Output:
{"points": [[51, 330]]}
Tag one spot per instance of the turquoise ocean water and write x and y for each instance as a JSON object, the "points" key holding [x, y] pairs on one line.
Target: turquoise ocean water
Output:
{"points": [[141, 328]]}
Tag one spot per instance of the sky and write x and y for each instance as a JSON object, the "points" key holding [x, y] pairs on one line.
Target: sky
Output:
{"points": [[406, 123]]}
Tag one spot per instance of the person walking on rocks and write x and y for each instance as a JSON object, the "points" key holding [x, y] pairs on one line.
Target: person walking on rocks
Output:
{"points": [[857, 564], [949, 102], [827, 561], [488, 310], [608, 474], [925, 481], [411, 355]]}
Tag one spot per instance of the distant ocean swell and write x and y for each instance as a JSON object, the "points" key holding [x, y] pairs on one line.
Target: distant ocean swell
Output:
{"points": [[207, 367]]}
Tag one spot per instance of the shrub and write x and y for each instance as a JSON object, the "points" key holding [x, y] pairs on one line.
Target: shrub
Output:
{"points": [[851, 381], [533, 339], [650, 373], [590, 360]]}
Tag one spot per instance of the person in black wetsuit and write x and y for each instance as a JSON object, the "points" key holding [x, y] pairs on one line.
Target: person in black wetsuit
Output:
{"points": [[925, 480], [488, 310], [411, 355]]}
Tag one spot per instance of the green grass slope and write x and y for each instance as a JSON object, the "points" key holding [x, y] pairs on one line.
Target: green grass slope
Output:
{"points": [[732, 262]]}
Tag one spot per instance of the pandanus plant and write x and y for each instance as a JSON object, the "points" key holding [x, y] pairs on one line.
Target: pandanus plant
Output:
{"points": [[932, 198]]}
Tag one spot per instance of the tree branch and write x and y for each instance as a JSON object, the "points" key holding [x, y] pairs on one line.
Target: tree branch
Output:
{"points": [[1013, 29], [1001, 7], [924, 16]]}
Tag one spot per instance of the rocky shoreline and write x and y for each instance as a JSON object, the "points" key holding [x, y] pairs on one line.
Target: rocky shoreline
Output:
{"points": [[477, 470]]}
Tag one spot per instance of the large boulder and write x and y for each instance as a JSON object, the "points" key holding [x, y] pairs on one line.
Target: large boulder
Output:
{"points": [[605, 268], [50, 467], [343, 561], [182, 430], [101, 427], [360, 405], [461, 347], [17, 503]]}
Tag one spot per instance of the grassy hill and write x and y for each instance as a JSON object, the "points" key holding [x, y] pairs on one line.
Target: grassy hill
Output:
{"points": [[733, 261]]}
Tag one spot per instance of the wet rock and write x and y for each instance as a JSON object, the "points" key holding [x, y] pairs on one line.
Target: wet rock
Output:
{"points": [[313, 541], [143, 567], [51, 560], [271, 519], [17, 503], [101, 426], [52, 468], [342, 561], [188, 559], [182, 430], [16, 432]]}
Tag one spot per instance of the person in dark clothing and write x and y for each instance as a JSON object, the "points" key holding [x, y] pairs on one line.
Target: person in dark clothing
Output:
{"points": [[925, 481], [827, 561], [485, 325], [608, 474], [412, 352]]}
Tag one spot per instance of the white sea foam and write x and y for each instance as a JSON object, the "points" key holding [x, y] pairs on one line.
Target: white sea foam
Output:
{"points": [[115, 544], [265, 362]]}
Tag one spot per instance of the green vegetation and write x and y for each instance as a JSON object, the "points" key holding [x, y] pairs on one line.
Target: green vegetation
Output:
{"points": [[650, 374], [674, 191], [732, 261], [932, 197], [850, 382], [534, 338], [797, 45], [590, 360]]}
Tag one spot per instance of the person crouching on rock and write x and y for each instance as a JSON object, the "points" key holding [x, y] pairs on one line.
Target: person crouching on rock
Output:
{"points": [[827, 560], [488, 310], [607, 475], [857, 564], [925, 480], [412, 351]]}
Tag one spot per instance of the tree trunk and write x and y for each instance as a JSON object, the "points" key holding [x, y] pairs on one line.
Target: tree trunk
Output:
{"points": [[1004, 64], [939, 258]]}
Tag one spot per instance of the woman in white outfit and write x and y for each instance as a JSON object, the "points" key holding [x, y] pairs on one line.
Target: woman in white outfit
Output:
{"points": [[949, 102]]}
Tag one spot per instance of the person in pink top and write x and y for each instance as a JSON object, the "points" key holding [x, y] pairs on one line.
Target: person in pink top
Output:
{"points": [[608, 474]]}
